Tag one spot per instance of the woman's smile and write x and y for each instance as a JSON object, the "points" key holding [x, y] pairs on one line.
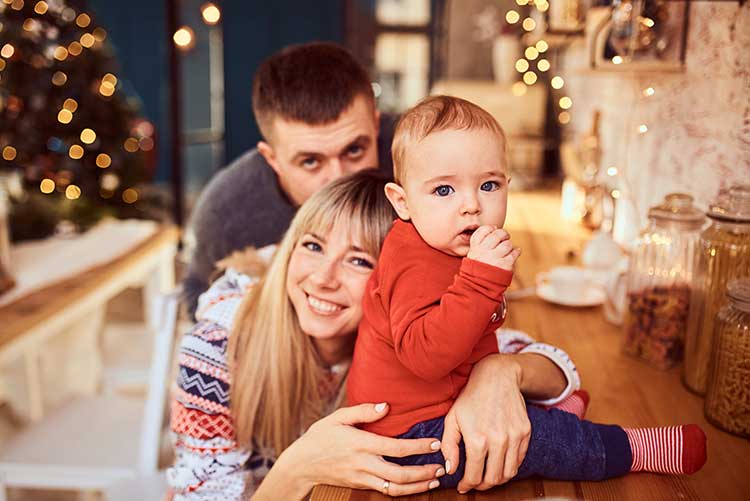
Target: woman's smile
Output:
{"points": [[323, 307]]}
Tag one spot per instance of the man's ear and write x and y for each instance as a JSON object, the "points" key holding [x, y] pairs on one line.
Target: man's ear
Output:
{"points": [[267, 152], [397, 196]]}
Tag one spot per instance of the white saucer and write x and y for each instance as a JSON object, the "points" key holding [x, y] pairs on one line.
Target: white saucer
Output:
{"points": [[592, 296]]}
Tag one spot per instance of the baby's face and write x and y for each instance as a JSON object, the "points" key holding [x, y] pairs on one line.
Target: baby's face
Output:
{"points": [[456, 181]]}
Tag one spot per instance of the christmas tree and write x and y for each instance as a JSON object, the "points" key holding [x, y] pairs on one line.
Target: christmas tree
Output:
{"points": [[65, 123]]}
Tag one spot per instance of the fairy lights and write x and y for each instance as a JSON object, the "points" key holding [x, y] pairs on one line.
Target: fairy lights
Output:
{"points": [[72, 192], [9, 153], [88, 136], [103, 160], [7, 51], [47, 186], [210, 13]]}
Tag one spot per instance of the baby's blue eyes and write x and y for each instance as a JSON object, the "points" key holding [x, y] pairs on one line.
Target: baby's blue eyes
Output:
{"points": [[443, 190]]}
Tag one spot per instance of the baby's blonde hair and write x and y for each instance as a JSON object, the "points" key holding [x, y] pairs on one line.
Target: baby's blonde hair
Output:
{"points": [[434, 114]]}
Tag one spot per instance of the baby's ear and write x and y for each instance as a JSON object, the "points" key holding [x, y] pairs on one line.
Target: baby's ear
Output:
{"points": [[397, 196]]}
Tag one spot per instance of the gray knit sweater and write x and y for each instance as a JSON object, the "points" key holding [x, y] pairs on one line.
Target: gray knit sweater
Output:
{"points": [[242, 205]]}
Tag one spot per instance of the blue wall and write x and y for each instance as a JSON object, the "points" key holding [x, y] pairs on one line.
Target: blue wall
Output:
{"points": [[137, 31], [252, 30]]}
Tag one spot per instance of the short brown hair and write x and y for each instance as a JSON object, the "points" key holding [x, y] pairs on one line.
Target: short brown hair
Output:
{"points": [[311, 83], [434, 114]]}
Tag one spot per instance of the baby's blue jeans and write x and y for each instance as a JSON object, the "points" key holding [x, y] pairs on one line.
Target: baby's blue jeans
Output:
{"points": [[562, 447]]}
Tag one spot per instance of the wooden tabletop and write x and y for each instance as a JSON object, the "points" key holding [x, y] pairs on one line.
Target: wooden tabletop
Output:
{"points": [[27, 314], [623, 390]]}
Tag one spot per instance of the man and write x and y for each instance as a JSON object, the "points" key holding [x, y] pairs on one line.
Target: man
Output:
{"points": [[316, 112]]}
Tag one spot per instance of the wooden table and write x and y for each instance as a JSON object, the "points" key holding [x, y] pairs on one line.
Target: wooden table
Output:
{"points": [[623, 390], [78, 304]]}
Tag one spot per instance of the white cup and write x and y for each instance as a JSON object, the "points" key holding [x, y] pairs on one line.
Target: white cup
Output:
{"points": [[566, 281]]}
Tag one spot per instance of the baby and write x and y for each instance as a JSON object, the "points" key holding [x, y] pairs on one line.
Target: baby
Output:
{"points": [[436, 297]]}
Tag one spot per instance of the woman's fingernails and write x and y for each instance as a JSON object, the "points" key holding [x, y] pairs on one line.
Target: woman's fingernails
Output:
{"points": [[440, 472], [448, 466], [435, 445], [462, 492], [380, 407], [433, 484]]}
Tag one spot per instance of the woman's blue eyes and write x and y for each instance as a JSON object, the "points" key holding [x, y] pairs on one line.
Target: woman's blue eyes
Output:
{"points": [[443, 190], [357, 261], [313, 246]]}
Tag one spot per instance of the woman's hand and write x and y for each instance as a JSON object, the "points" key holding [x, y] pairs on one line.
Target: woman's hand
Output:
{"points": [[491, 416], [334, 452]]}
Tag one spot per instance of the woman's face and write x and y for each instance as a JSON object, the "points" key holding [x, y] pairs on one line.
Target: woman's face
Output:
{"points": [[325, 282]]}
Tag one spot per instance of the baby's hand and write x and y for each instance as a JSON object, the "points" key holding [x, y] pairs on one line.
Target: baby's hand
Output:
{"points": [[492, 246]]}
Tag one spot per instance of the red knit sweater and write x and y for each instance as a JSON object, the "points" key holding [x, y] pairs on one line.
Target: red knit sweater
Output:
{"points": [[428, 318]]}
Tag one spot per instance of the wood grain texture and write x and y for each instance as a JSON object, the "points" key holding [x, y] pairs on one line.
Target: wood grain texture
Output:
{"points": [[23, 314], [623, 390]]}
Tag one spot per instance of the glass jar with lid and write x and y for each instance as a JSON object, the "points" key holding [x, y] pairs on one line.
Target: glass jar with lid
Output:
{"points": [[728, 393], [659, 281], [724, 255]]}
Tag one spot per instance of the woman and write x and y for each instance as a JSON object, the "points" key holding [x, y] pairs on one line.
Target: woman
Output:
{"points": [[292, 335]]}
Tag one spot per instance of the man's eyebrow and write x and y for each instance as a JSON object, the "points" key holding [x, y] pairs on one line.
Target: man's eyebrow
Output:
{"points": [[361, 139], [305, 154]]}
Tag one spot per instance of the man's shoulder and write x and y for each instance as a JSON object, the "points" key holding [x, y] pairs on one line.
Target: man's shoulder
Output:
{"points": [[242, 205], [248, 167], [247, 181]]}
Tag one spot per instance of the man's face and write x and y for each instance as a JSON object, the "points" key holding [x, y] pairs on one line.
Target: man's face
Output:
{"points": [[307, 157]]}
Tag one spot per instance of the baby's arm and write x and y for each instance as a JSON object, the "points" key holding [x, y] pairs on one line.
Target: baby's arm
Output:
{"points": [[432, 333]]}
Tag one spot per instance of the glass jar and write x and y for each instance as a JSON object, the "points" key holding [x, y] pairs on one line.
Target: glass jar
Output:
{"points": [[728, 394], [724, 254], [659, 281]]}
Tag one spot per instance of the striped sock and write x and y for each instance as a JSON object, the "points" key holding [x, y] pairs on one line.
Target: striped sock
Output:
{"points": [[671, 449], [575, 403]]}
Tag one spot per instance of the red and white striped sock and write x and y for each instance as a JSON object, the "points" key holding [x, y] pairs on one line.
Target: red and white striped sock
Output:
{"points": [[575, 403], [671, 449]]}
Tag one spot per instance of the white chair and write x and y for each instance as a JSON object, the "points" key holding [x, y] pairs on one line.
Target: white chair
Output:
{"points": [[92, 443]]}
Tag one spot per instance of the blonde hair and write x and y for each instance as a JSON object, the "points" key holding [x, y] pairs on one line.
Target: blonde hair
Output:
{"points": [[274, 368], [434, 114]]}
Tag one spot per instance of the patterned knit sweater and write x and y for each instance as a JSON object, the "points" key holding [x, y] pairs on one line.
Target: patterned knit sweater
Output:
{"points": [[209, 463]]}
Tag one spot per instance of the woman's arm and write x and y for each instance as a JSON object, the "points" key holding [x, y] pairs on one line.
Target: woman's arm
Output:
{"points": [[334, 452], [490, 414], [208, 462], [548, 377], [540, 378]]}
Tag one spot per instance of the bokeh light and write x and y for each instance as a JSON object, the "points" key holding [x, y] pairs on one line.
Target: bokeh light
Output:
{"points": [[211, 13], [129, 196]]}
